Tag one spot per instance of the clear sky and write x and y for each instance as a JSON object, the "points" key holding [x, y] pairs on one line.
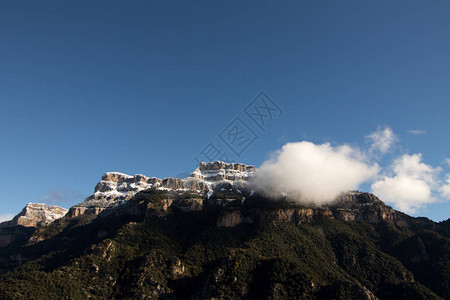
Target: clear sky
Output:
{"points": [[144, 86]]}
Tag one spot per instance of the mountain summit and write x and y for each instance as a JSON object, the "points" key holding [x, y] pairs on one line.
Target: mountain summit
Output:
{"points": [[115, 188], [36, 214]]}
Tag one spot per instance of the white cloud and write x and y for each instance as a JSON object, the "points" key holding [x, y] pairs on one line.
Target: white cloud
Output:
{"points": [[313, 173], [417, 131], [445, 188], [412, 165], [319, 173], [411, 187], [382, 139], [6, 217]]}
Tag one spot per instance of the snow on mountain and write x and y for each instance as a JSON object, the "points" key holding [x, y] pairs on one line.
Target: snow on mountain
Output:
{"points": [[35, 214], [115, 187]]}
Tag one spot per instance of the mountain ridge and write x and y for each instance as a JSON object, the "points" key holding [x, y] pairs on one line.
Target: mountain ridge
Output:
{"points": [[227, 242]]}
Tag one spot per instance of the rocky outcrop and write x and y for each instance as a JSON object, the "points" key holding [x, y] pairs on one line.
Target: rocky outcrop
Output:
{"points": [[22, 226], [236, 216], [188, 204], [36, 214], [76, 211], [216, 185], [188, 194], [353, 206], [216, 171], [116, 188], [230, 218], [14, 233]]}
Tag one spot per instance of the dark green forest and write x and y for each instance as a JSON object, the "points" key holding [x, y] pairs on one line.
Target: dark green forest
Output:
{"points": [[183, 255]]}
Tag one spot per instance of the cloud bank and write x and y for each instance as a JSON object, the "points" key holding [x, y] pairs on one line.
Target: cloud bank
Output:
{"points": [[316, 173], [313, 173], [411, 185]]}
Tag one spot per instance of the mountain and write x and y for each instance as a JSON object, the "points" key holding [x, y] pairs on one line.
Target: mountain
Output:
{"points": [[115, 188], [210, 236], [36, 214], [33, 215]]}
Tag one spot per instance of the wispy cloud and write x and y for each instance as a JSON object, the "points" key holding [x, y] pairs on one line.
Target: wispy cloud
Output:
{"points": [[382, 140], [445, 188], [62, 197], [417, 132]]}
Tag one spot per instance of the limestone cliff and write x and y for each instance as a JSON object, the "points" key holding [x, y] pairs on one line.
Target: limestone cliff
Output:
{"points": [[116, 188], [36, 214]]}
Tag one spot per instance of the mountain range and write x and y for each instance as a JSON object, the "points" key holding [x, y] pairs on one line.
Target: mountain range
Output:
{"points": [[213, 236]]}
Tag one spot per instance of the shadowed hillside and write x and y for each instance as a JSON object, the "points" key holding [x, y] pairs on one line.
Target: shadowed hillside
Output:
{"points": [[278, 250]]}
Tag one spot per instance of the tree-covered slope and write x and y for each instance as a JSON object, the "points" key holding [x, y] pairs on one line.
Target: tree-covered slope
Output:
{"points": [[150, 252]]}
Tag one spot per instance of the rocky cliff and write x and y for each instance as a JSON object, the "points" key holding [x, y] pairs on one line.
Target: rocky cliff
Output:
{"points": [[213, 185], [23, 225], [36, 214], [211, 235], [351, 206], [116, 188], [233, 244]]}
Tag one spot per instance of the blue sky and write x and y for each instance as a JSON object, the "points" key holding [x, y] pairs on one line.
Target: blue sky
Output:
{"points": [[144, 87]]}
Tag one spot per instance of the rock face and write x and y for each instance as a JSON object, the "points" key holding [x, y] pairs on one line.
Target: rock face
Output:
{"points": [[188, 204], [36, 214], [352, 206], [218, 170], [25, 223], [215, 186], [115, 188]]}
